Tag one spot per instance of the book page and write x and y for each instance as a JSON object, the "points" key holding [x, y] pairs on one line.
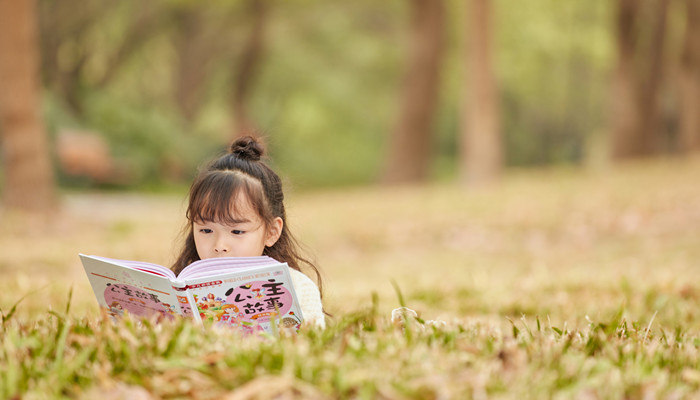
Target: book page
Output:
{"points": [[219, 265], [123, 290], [250, 299], [139, 265]]}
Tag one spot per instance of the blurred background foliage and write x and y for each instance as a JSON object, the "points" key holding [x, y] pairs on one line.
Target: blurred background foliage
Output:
{"points": [[168, 83], [326, 92]]}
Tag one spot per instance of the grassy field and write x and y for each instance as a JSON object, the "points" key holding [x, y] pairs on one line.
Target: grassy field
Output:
{"points": [[557, 283]]}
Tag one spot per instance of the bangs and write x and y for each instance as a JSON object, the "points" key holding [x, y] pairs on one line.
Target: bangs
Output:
{"points": [[214, 197]]}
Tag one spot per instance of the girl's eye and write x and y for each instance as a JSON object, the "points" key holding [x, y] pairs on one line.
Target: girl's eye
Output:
{"points": [[237, 232], [205, 230]]}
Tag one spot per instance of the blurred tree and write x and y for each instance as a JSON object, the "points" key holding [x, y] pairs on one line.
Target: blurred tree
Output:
{"points": [[249, 67], [641, 32], [69, 44], [553, 60], [144, 24], [481, 153], [689, 80], [410, 144], [154, 77], [196, 45], [208, 40], [63, 58], [29, 181]]}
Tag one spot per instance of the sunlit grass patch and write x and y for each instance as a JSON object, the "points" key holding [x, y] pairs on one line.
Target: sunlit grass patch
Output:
{"points": [[553, 284], [362, 354]]}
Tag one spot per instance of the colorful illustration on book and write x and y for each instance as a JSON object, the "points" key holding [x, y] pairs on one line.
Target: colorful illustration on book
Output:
{"points": [[116, 309], [230, 314], [290, 321], [209, 306], [247, 306], [123, 299], [170, 308], [185, 306]]}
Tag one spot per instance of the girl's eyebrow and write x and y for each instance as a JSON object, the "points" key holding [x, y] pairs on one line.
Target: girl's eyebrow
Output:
{"points": [[237, 221], [229, 220]]}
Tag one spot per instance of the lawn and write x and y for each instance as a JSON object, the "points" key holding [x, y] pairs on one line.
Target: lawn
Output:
{"points": [[556, 283]]}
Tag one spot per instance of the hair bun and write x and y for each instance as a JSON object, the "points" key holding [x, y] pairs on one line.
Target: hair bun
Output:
{"points": [[247, 148]]}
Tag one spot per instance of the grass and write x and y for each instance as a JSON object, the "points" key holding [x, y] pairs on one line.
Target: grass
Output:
{"points": [[556, 283], [361, 356]]}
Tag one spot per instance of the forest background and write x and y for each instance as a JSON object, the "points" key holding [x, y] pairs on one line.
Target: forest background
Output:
{"points": [[137, 95], [524, 171]]}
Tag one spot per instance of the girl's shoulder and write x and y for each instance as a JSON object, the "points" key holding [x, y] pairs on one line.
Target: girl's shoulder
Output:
{"points": [[302, 282], [309, 298], [298, 275]]}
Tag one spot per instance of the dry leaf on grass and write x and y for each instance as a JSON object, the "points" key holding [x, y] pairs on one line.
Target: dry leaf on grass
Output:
{"points": [[118, 391], [275, 387]]}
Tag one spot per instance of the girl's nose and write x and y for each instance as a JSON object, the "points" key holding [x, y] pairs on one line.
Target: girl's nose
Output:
{"points": [[221, 247]]}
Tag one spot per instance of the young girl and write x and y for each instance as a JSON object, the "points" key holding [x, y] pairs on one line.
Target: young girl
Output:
{"points": [[236, 209]]}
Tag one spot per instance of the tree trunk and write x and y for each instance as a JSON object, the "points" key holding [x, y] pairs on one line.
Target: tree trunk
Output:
{"points": [[637, 79], [193, 59], [481, 150], [689, 81], [29, 182], [248, 69], [653, 74], [410, 144], [625, 109]]}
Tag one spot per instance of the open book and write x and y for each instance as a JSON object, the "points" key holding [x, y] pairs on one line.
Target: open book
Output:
{"points": [[246, 292]]}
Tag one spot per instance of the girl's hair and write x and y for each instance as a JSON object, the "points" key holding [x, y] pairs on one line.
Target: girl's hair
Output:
{"points": [[213, 194]]}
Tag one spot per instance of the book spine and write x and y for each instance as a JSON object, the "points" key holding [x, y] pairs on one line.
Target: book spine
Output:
{"points": [[188, 304], [185, 306], [193, 307]]}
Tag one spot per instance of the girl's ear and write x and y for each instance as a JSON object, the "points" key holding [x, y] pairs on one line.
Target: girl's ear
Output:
{"points": [[274, 232]]}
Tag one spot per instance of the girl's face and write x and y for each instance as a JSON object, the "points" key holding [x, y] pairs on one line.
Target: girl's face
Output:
{"points": [[247, 237]]}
